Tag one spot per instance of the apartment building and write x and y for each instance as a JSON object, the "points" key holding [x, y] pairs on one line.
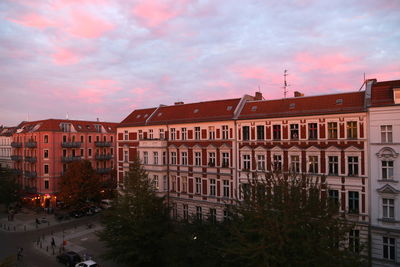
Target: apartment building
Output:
{"points": [[42, 150], [5, 146], [384, 149]]}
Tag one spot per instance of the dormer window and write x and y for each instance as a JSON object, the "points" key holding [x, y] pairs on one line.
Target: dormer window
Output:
{"points": [[98, 128], [196, 110], [228, 108], [65, 127], [396, 95], [253, 108], [138, 116], [292, 105], [339, 101]]}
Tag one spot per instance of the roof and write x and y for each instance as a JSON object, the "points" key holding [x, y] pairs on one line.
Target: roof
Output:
{"points": [[217, 110], [7, 131], [382, 93], [137, 117], [302, 106], [55, 125]]}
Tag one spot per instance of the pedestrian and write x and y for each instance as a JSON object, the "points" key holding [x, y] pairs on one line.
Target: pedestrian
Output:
{"points": [[19, 253], [37, 221], [53, 243]]}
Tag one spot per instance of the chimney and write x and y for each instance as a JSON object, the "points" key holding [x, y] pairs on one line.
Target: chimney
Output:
{"points": [[97, 119], [298, 94], [258, 96], [179, 103]]}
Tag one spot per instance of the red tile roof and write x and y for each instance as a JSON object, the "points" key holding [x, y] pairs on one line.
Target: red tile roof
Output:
{"points": [[7, 131], [382, 93], [137, 117], [54, 125], [302, 106]]}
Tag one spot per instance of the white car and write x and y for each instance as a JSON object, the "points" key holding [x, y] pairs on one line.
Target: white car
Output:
{"points": [[88, 263]]}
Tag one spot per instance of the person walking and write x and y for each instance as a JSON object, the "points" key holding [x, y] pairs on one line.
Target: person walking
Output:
{"points": [[19, 253], [53, 243]]}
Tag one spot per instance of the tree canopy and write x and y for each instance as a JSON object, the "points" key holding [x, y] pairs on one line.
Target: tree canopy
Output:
{"points": [[9, 187]]}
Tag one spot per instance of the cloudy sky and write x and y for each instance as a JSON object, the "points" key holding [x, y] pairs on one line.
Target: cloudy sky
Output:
{"points": [[104, 58]]}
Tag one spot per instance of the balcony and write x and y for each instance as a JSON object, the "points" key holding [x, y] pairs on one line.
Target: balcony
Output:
{"points": [[29, 174], [103, 144], [16, 144], [70, 159], [103, 156], [16, 158], [103, 170], [71, 144], [17, 171], [30, 159], [31, 144]]}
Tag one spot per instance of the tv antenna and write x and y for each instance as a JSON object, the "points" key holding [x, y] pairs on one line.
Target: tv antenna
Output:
{"points": [[285, 84]]}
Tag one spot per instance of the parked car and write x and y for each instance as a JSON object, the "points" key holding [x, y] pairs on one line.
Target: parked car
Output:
{"points": [[69, 258], [95, 209], [106, 203], [88, 263]]}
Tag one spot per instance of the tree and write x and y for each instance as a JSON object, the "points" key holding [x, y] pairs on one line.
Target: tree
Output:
{"points": [[79, 184], [284, 220], [9, 188], [136, 226]]}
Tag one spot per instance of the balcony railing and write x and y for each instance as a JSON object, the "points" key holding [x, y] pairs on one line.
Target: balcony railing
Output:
{"points": [[70, 159], [31, 144], [16, 144], [30, 159], [71, 144], [17, 171], [16, 158], [103, 170], [103, 144], [103, 156], [29, 174]]}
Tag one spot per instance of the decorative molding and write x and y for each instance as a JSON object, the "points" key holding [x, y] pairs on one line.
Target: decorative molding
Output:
{"points": [[387, 189]]}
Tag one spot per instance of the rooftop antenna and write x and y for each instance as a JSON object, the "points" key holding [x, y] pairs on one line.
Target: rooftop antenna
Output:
{"points": [[66, 116], [285, 84], [364, 83]]}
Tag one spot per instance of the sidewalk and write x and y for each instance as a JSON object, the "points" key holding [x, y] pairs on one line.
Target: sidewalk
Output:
{"points": [[25, 221]]}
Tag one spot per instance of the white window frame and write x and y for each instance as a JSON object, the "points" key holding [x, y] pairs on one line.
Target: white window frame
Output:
{"points": [[226, 188], [246, 162], [388, 208], [225, 132], [197, 158], [198, 185], [386, 133], [184, 158], [155, 158], [213, 187]]}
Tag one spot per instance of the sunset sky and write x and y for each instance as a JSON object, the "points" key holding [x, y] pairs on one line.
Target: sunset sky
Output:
{"points": [[104, 58]]}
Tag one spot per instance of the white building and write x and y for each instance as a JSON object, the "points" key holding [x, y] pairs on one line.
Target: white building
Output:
{"points": [[384, 151], [5, 146]]}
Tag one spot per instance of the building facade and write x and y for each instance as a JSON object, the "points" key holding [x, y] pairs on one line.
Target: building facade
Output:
{"points": [[5, 146], [384, 151], [42, 150]]}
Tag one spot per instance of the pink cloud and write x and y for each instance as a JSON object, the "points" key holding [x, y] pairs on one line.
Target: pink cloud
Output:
{"points": [[33, 20], [65, 57], [140, 91], [88, 26], [96, 90], [335, 62]]}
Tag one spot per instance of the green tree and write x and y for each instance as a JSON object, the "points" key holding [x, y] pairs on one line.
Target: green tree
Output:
{"points": [[283, 220], [79, 184], [9, 188], [136, 226]]}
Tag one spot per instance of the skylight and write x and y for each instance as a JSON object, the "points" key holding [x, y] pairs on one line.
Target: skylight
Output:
{"points": [[253, 108], [159, 114], [339, 101], [292, 105], [229, 108], [196, 110], [138, 116]]}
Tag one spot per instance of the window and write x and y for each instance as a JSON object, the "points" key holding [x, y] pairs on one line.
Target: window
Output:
{"points": [[184, 133], [246, 133], [65, 127], [386, 134], [173, 158], [211, 159], [333, 165], [83, 138], [226, 214], [387, 170], [352, 130], [226, 188], [225, 132], [184, 157], [46, 154], [64, 138], [111, 139], [294, 131], [199, 213], [352, 166], [213, 215], [46, 139], [198, 186], [276, 129], [173, 183], [197, 133], [246, 162], [155, 182], [212, 187], [81, 152], [46, 169], [97, 138], [225, 159], [197, 158], [90, 139], [184, 184], [353, 202], [46, 184], [260, 162], [173, 133], [140, 134], [161, 134], [388, 208], [313, 164], [155, 158], [211, 132], [98, 128], [334, 196], [174, 211], [277, 161], [332, 130], [185, 212], [295, 163], [389, 248], [164, 158], [126, 136], [260, 132], [313, 131], [151, 134], [165, 183], [145, 157], [90, 153], [354, 241]]}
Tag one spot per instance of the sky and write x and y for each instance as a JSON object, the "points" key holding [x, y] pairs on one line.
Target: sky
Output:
{"points": [[89, 59]]}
